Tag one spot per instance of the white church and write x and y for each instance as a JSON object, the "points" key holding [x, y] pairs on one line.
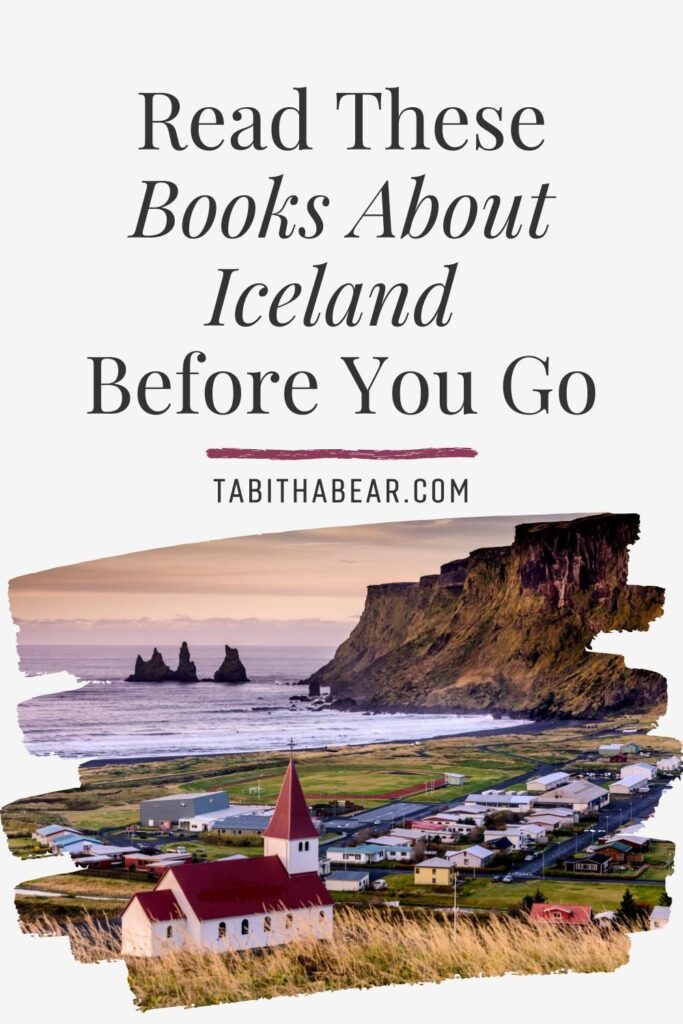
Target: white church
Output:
{"points": [[243, 903]]}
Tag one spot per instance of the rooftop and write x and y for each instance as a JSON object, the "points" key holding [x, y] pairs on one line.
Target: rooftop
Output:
{"points": [[437, 862], [578, 789], [351, 876], [255, 885], [159, 905], [575, 913], [184, 796], [291, 817], [477, 851], [551, 777], [361, 848], [246, 821]]}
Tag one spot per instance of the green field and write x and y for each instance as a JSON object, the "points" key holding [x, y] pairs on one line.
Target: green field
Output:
{"points": [[485, 893]]}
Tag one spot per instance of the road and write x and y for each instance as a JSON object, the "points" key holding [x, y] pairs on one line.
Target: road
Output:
{"points": [[609, 819]]}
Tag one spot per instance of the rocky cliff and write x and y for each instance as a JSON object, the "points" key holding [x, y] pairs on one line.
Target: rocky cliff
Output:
{"points": [[231, 670], [506, 630]]}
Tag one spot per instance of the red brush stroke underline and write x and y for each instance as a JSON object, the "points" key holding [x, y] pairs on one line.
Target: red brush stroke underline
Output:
{"points": [[375, 454]]}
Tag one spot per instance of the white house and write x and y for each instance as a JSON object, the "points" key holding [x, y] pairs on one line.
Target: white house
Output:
{"points": [[532, 831], [454, 778], [395, 849], [639, 768], [364, 853], [472, 857], [669, 764], [239, 904], [638, 782], [347, 881]]}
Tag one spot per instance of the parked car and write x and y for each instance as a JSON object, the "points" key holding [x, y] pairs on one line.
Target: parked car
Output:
{"points": [[379, 884], [507, 878]]}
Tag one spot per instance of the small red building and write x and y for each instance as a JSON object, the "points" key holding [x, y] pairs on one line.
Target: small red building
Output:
{"points": [[562, 913]]}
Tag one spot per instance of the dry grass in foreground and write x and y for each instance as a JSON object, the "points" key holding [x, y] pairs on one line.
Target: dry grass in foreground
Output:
{"points": [[369, 949]]}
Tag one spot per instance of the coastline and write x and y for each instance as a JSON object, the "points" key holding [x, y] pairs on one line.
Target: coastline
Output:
{"points": [[527, 728]]}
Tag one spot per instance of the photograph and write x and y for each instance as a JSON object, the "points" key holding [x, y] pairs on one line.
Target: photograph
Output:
{"points": [[302, 771]]}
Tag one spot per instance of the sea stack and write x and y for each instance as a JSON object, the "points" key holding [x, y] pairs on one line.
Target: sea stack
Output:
{"points": [[157, 671], [153, 671], [232, 670], [186, 671]]}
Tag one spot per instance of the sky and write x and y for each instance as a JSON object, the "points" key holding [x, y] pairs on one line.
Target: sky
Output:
{"points": [[302, 587]]}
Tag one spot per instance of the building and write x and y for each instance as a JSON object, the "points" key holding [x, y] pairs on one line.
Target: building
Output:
{"points": [[639, 768], [440, 826], [454, 778], [659, 917], [622, 853], [638, 782], [347, 881], [493, 835], [392, 844], [594, 863], [610, 749], [435, 871], [239, 904], [634, 841], [243, 824], [580, 795], [544, 783], [410, 835], [473, 857], [164, 811], [206, 821], [397, 851], [466, 813], [50, 833], [75, 845], [520, 803], [669, 764], [564, 817], [550, 822], [561, 913], [364, 853], [521, 836], [532, 832]]}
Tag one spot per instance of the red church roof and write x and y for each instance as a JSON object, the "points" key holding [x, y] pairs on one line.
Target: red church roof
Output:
{"points": [[291, 819], [159, 905], [231, 888], [561, 913]]}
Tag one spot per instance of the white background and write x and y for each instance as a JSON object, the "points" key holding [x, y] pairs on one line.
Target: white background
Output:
{"points": [[596, 294]]}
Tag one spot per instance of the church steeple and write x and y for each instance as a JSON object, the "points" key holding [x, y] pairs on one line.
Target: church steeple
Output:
{"points": [[291, 834]]}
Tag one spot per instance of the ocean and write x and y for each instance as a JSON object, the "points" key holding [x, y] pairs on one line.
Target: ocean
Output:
{"points": [[110, 718]]}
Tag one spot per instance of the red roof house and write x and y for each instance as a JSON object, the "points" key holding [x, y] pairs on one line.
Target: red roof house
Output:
{"points": [[561, 913], [239, 904]]}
